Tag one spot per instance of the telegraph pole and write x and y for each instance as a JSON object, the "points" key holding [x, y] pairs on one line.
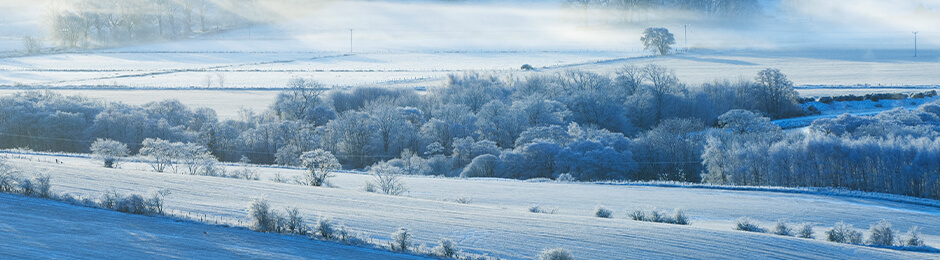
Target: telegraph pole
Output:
{"points": [[685, 35], [350, 41], [915, 44]]}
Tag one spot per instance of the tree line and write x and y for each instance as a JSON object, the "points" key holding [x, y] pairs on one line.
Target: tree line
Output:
{"points": [[640, 123], [598, 126], [95, 23]]}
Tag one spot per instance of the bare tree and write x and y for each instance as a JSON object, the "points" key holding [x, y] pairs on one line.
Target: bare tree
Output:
{"points": [[220, 77], [387, 179], [31, 45], [663, 81]]}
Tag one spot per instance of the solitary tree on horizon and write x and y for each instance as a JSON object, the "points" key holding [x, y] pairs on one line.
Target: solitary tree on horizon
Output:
{"points": [[658, 40]]}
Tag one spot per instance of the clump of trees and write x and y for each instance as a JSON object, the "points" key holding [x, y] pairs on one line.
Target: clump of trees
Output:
{"points": [[892, 152], [640, 123]]}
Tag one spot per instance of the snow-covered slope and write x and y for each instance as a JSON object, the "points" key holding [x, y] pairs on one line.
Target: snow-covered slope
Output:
{"points": [[43, 229], [497, 221]]}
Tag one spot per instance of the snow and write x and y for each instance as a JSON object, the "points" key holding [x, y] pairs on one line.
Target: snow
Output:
{"points": [[38, 228], [857, 108], [498, 222]]}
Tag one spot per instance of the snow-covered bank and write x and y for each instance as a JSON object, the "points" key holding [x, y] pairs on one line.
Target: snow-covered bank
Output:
{"points": [[43, 229], [497, 220]]}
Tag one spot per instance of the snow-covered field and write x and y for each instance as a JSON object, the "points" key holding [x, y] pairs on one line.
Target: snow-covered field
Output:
{"points": [[36, 228], [272, 70], [498, 223]]}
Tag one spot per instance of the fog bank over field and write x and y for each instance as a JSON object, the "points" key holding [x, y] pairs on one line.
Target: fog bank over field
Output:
{"points": [[499, 25]]}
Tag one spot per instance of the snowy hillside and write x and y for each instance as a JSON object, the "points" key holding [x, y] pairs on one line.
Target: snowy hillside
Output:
{"points": [[498, 223], [36, 228]]}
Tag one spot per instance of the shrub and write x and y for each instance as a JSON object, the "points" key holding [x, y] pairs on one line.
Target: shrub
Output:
{"points": [[603, 212], [294, 223], [325, 228], [881, 234], [134, 203], [43, 187], [680, 218], [463, 200], [565, 177], [913, 238], [782, 229], [26, 187], [842, 233], [555, 254], [746, 224], [527, 67], [401, 240], [263, 218], [447, 249], [539, 209], [806, 231], [654, 216], [638, 215], [387, 180], [8, 178]]}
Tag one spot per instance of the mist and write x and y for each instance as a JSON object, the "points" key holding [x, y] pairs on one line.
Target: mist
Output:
{"points": [[499, 25]]}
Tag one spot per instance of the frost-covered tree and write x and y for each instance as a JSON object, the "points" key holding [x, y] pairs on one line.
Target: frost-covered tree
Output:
{"points": [[109, 151], [355, 134], [320, 165], [778, 96], [300, 101], [658, 40], [386, 179], [481, 166], [555, 254], [160, 153]]}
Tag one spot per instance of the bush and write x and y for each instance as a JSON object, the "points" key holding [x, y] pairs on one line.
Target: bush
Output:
{"points": [[782, 229], [565, 177], [913, 238], [401, 240], [806, 231], [263, 218], [638, 215], [387, 180], [746, 224], [43, 187], [134, 203], [603, 212], [527, 67], [8, 178], [26, 187], [447, 249], [654, 216], [294, 223], [539, 209], [463, 200], [842, 233], [680, 218], [325, 229], [555, 254], [881, 234]]}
